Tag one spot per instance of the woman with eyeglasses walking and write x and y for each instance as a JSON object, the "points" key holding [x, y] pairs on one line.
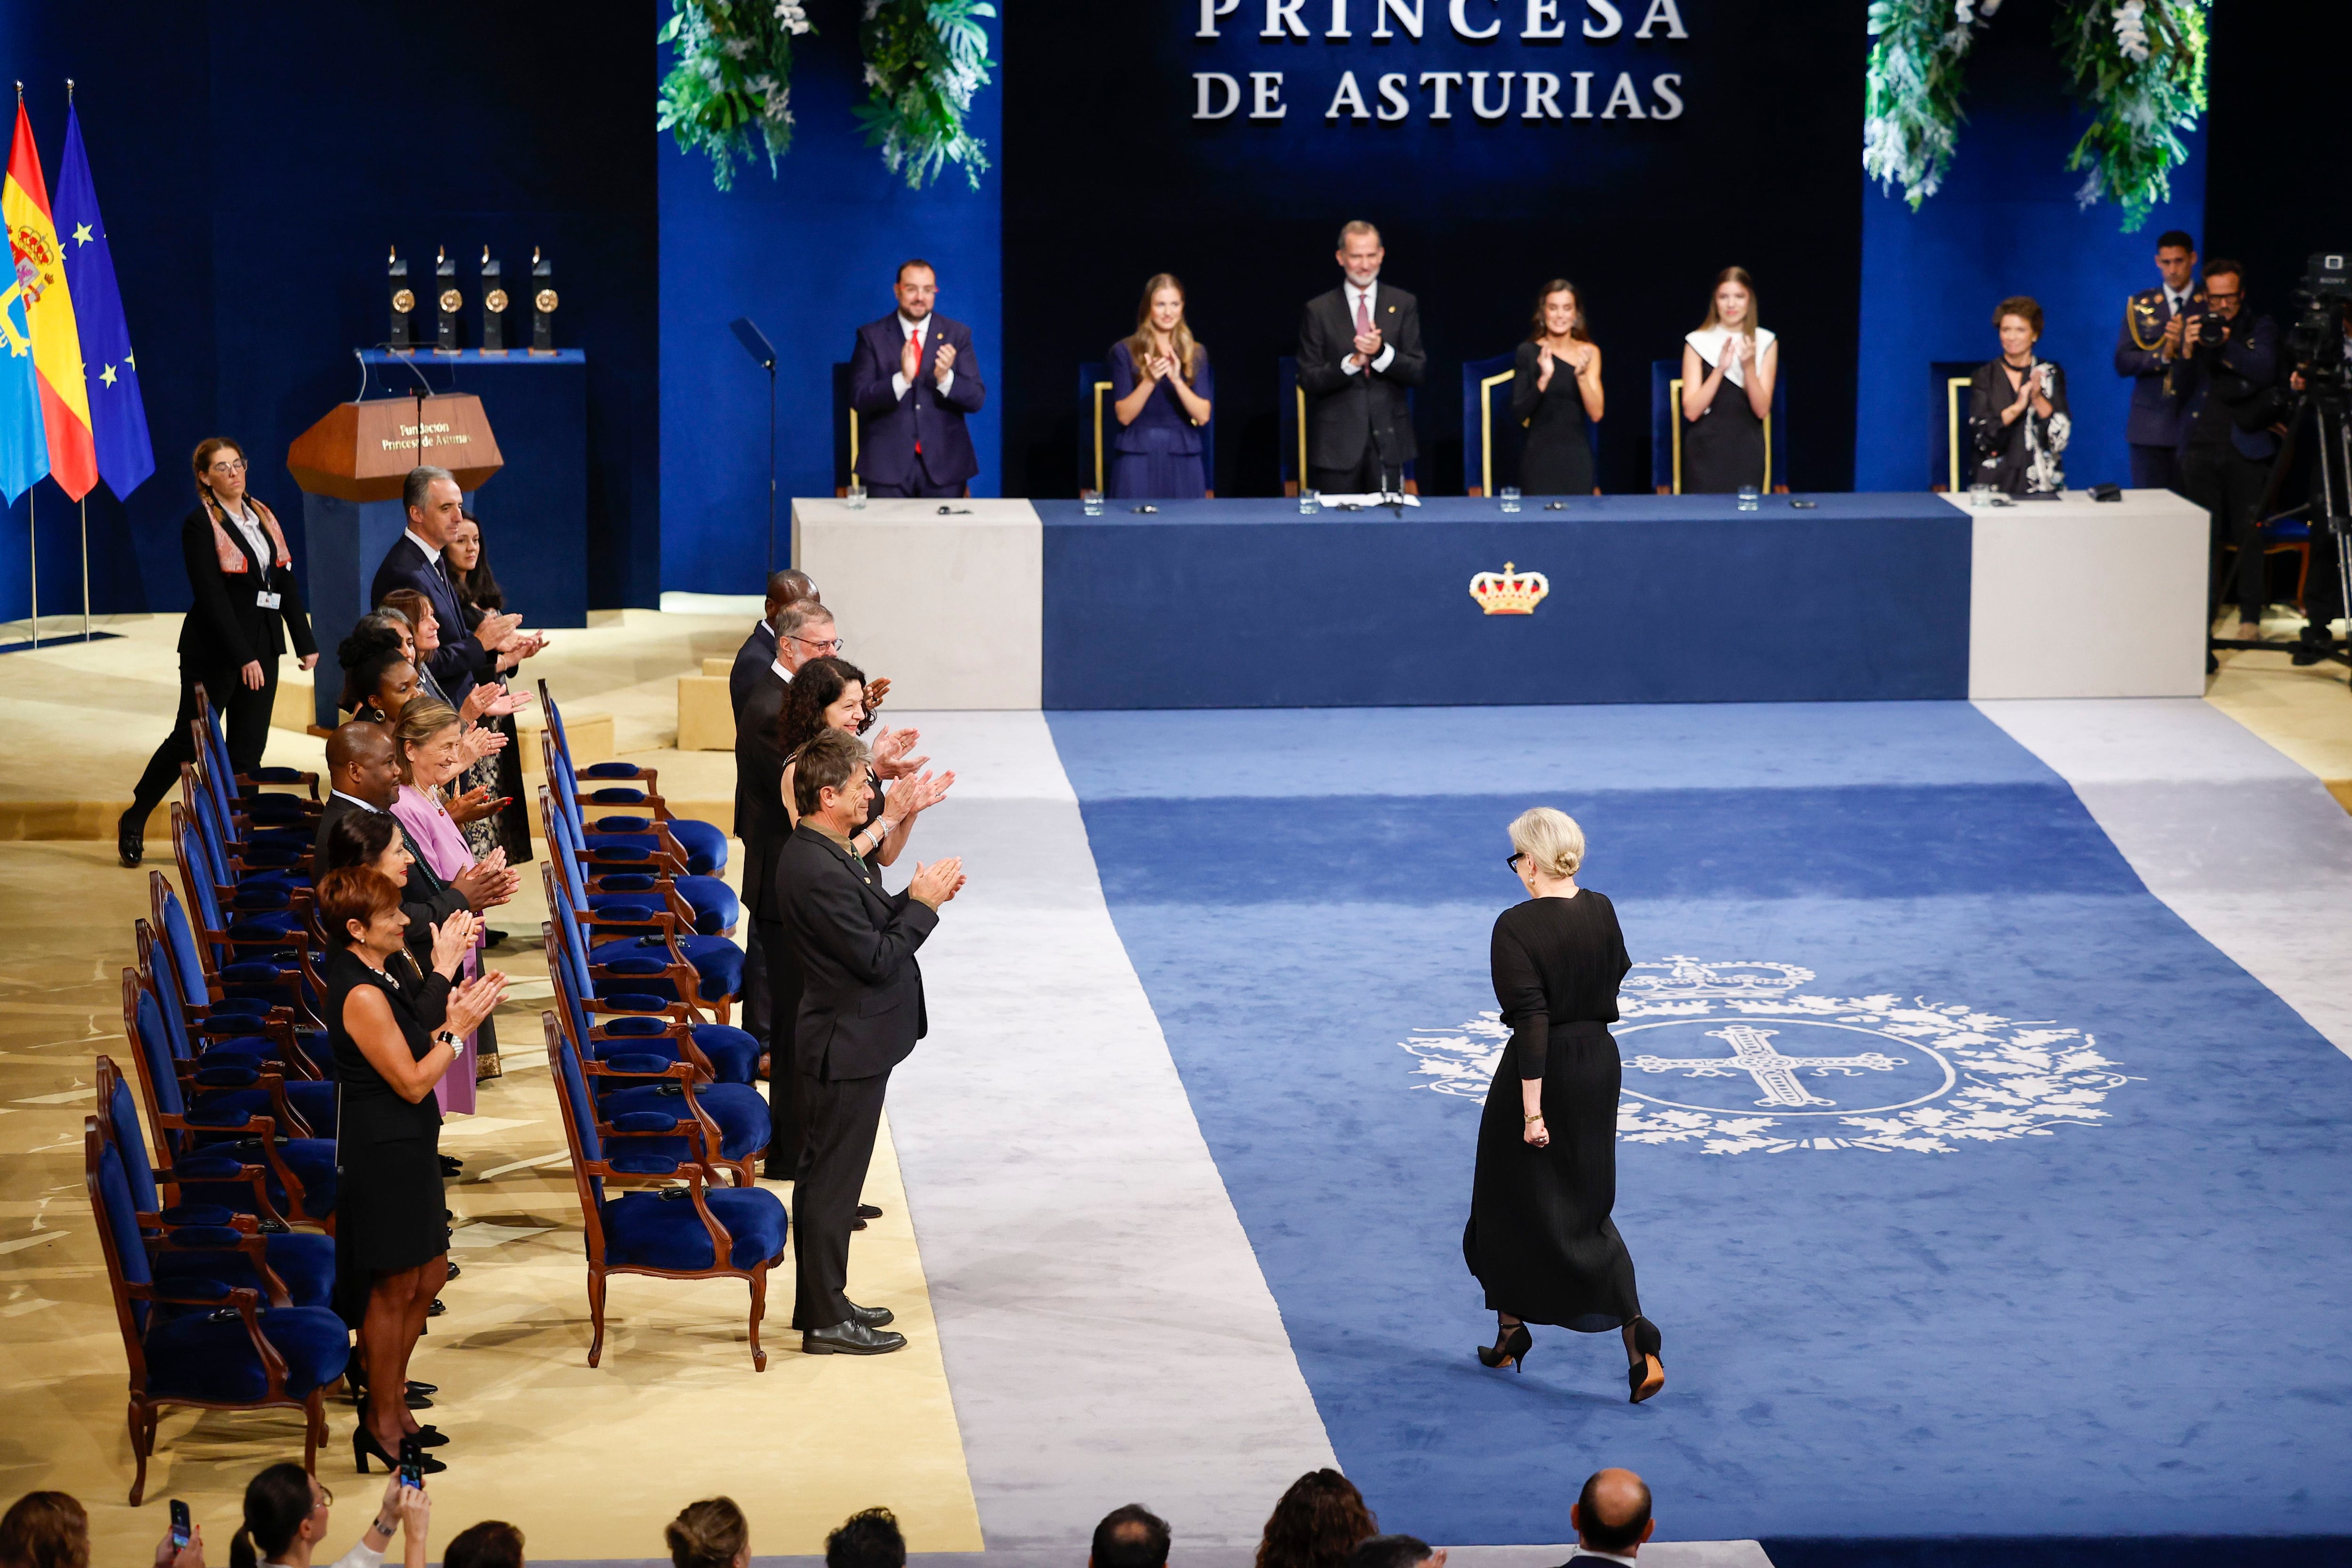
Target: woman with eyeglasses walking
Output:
{"points": [[243, 581], [1539, 1237]]}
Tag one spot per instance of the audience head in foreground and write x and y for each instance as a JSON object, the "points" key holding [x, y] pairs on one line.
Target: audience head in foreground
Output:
{"points": [[867, 1539], [1129, 1537], [287, 1518], [1319, 1523], [1613, 1514], [830, 781], [712, 1533], [493, 1543], [1397, 1552], [788, 588], [45, 1530], [804, 630]]}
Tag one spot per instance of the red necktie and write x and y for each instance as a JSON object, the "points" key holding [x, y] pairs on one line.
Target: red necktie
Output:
{"points": [[916, 338], [1363, 315]]}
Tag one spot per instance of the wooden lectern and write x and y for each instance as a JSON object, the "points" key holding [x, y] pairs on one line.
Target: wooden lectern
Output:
{"points": [[351, 467]]}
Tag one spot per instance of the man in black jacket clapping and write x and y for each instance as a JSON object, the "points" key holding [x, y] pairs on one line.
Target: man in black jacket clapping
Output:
{"points": [[861, 1013]]}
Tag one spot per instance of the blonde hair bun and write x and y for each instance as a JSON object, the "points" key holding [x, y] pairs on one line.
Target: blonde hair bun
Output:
{"points": [[1550, 840]]}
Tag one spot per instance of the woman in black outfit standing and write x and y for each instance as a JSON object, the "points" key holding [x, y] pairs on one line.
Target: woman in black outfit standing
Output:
{"points": [[1539, 1237], [394, 1031], [1729, 367], [1555, 388], [244, 583]]}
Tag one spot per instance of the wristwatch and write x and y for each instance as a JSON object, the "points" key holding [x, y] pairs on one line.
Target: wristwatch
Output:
{"points": [[450, 1038]]}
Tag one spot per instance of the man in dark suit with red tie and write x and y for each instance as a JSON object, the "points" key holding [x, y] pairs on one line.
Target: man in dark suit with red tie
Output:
{"points": [[1359, 350], [912, 379]]}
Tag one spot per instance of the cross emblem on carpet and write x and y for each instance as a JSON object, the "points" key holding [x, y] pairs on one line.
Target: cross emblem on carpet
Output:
{"points": [[1753, 1052]]}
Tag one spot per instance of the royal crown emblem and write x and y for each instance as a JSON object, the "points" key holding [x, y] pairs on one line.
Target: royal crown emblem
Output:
{"points": [[1676, 977], [1509, 591]]}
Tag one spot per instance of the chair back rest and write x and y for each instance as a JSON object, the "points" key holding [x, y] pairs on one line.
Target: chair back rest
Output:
{"points": [[1667, 424], [1097, 425], [1948, 431], [118, 1123], [211, 744], [554, 719], [563, 849], [179, 941], [845, 430], [1290, 426], [194, 874], [567, 956], [579, 1129], [158, 1061], [1491, 438], [120, 1238], [221, 799], [209, 833]]}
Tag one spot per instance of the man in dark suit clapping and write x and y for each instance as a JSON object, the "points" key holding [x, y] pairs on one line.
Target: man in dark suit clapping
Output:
{"points": [[465, 659], [861, 1013], [1359, 350], [912, 379]]}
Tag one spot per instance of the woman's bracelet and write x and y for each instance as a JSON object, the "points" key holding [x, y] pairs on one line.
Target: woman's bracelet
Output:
{"points": [[1536, 1117], [387, 1530]]}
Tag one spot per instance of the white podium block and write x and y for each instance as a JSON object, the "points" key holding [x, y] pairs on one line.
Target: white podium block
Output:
{"points": [[949, 607], [2076, 598]]}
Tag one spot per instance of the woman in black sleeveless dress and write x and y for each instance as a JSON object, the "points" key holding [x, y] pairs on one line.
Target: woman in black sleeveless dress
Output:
{"points": [[1555, 387], [1729, 367], [1539, 1237], [394, 1031]]}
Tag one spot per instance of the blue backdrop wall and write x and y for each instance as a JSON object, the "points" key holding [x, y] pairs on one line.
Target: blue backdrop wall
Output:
{"points": [[254, 161], [809, 255], [2006, 221]]}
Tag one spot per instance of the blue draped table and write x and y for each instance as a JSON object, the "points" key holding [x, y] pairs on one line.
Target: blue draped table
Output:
{"points": [[1246, 603]]}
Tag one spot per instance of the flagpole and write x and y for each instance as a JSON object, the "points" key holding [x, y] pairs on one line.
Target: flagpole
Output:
{"points": [[33, 538], [84, 569]]}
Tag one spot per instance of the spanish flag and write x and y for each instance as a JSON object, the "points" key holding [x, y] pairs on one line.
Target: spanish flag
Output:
{"points": [[57, 341]]}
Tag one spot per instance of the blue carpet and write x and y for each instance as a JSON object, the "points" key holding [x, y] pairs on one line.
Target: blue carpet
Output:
{"points": [[2085, 1275]]}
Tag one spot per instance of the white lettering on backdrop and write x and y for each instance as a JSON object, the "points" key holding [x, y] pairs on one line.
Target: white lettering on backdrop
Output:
{"points": [[1540, 95]]}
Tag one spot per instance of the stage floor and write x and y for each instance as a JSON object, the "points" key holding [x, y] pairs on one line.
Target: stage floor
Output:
{"points": [[1174, 1214]]}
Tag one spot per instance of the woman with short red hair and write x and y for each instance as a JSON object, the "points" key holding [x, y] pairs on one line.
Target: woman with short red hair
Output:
{"points": [[395, 1032]]}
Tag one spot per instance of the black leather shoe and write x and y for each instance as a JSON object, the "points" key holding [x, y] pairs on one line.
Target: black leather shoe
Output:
{"points": [[2308, 649], [454, 1271], [450, 1166], [851, 1337], [437, 1307], [870, 1211], [130, 839], [872, 1317]]}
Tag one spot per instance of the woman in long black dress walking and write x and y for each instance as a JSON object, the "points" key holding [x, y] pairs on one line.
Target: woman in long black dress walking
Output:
{"points": [[1539, 1237], [1555, 388], [394, 1031]]}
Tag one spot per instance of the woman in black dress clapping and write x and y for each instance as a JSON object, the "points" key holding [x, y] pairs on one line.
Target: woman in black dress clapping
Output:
{"points": [[1539, 1237], [1729, 367], [1555, 388], [394, 1031]]}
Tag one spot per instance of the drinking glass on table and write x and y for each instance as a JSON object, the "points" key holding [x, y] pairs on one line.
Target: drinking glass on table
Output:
{"points": [[1308, 502], [1510, 494], [1094, 502], [1748, 497], [856, 497]]}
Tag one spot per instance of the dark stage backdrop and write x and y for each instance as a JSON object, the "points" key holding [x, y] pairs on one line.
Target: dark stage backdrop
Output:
{"points": [[1746, 152], [254, 161]]}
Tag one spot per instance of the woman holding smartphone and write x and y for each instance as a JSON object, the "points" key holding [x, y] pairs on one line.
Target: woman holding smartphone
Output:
{"points": [[285, 1518]]}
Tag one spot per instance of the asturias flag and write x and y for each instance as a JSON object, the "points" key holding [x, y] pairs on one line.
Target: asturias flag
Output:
{"points": [[23, 445], [118, 418], [49, 303]]}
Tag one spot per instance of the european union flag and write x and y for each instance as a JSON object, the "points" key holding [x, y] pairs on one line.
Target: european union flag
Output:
{"points": [[24, 439], [118, 417]]}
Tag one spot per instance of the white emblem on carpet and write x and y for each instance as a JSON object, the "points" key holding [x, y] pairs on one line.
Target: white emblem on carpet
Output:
{"points": [[1732, 1058]]}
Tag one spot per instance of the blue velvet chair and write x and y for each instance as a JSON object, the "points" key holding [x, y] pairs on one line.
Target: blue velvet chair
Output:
{"points": [[213, 745], [634, 864], [733, 1113], [193, 1341], [242, 853], [236, 977], [701, 846], [240, 1024], [692, 1232], [641, 934], [298, 1173], [246, 1074], [221, 1241]]}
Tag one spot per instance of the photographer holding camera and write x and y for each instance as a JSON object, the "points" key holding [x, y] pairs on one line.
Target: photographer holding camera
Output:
{"points": [[2227, 444], [2319, 347]]}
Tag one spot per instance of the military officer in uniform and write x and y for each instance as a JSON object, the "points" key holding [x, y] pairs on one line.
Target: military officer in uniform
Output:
{"points": [[2147, 351]]}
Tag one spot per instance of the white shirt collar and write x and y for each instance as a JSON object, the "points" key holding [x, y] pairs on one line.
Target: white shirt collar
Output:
{"points": [[1364, 291], [432, 552], [782, 674], [907, 328], [355, 801], [1583, 1551]]}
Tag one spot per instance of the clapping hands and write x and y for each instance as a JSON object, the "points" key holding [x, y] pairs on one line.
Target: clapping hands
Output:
{"points": [[943, 366], [939, 882], [912, 797], [1368, 345], [453, 939], [475, 1000], [889, 752]]}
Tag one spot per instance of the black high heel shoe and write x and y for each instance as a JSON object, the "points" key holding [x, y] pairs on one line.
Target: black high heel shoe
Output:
{"points": [[1646, 1377], [1510, 1351], [130, 837], [364, 1444]]}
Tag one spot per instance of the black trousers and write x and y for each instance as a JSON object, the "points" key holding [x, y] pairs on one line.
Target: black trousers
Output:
{"points": [[2229, 485], [1365, 478], [779, 997], [245, 716], [922, 487], [2156, 468], [843, 1117]]}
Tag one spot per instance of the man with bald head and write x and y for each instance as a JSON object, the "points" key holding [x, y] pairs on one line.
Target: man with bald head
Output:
{"points": [[786, 588], [366, 777], [1611, 1517]]}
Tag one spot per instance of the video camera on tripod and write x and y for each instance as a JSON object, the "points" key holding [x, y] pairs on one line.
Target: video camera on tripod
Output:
{"points": [[2322, 379]]}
